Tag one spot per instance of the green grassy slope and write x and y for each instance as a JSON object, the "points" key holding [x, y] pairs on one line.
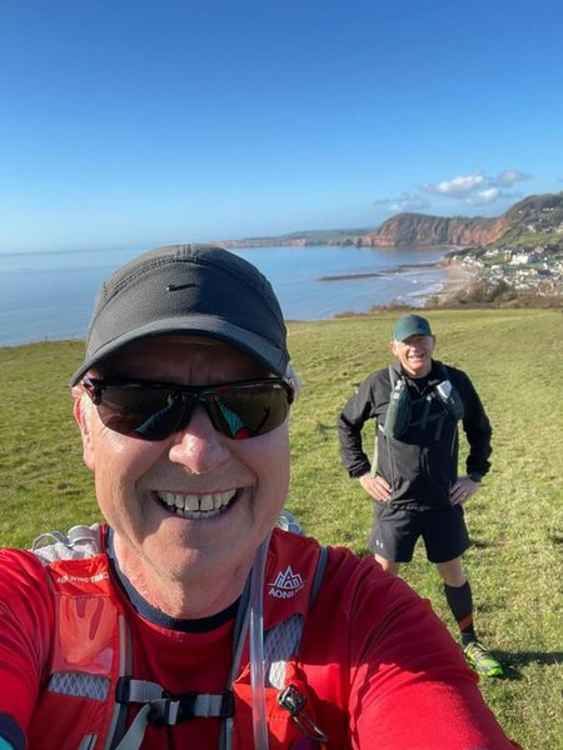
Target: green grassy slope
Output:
{"points": [[516, 521]]}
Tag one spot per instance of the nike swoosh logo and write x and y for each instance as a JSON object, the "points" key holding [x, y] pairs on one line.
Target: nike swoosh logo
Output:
{"points": [[177, 287]]}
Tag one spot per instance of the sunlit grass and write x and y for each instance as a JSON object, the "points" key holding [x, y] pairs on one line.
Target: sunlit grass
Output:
{"points": [[514, 358]]}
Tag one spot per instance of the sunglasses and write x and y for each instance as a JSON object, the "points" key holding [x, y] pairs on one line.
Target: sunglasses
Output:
{"points": [[154, 411]]}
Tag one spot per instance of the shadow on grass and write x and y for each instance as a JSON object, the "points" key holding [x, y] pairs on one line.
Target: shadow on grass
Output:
{"points": [[514, 661], [480, 543], [324, 428]]}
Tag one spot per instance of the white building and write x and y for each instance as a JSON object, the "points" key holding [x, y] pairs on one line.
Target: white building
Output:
{"points": [[520, 259]]}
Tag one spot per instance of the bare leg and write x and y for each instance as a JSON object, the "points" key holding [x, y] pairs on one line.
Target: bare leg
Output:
{"points": [[452, 572]]}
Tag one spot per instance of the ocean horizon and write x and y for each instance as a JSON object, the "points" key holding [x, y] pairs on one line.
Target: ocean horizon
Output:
{"points": [[50, 295]]}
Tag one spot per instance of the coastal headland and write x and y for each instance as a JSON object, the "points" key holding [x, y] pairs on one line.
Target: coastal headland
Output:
{"points": [[517, 254]]}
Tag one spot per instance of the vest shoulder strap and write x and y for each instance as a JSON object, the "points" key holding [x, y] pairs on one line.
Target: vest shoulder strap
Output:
{"points": [[80, 542], [445, 371], [282, 642], [319, 576]]}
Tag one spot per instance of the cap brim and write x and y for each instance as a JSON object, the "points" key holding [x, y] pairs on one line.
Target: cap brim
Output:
{"points": [[251, 343]]}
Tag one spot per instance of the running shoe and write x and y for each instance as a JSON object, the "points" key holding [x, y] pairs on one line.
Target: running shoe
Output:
{"points": [[482, 661]]}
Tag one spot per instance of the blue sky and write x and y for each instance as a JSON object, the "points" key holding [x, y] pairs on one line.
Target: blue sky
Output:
{"points": [[138, 124]]}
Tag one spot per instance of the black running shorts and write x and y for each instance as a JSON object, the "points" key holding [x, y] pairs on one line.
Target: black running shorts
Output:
{"points": [[396, 531]]}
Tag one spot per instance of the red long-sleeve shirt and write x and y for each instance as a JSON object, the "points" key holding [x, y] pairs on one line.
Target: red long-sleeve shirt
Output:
{"points": [[384, 671]]}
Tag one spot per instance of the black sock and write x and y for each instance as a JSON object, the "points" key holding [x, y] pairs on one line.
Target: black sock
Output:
{"points": [[460, 602]]}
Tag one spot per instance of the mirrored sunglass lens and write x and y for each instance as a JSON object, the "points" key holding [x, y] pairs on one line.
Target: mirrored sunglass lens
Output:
{"points": [[247, 412], [142, 412]]}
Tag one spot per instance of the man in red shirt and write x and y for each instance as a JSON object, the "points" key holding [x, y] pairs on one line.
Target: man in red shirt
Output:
{"points": [[186, 619]]}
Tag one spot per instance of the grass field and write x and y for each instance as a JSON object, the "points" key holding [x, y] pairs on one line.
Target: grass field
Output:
{"points": [[514, 358]]}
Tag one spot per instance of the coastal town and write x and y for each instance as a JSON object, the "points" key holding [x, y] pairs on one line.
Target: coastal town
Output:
{"points": [[537, 269], [518, 254]]}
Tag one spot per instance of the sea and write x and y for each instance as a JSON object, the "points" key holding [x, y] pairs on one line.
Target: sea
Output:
{"points": [[50, 295]]}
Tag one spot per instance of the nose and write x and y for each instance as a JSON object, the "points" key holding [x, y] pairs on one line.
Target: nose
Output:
{"points": [[199, 447]]}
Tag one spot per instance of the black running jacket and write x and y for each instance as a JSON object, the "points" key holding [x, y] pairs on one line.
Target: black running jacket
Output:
{"points": [[421, 467]]}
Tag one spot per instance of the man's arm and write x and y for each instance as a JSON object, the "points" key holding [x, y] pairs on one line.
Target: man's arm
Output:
{"points": [[351, 420], [411, 687], [26, 611], [477, 430]]}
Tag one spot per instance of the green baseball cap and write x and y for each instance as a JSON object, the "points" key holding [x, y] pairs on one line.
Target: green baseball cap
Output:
{"points": [[411, 325]]}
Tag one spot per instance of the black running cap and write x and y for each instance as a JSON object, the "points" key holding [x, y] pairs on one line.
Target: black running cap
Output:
{"points": [[188, 289]]}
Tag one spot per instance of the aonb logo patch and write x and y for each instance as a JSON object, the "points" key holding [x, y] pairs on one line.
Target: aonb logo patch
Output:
{"points": [[286, 584]]}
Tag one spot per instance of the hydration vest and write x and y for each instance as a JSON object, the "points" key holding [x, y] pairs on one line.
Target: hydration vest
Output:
{"points": [[90, 684], [399, 413]]}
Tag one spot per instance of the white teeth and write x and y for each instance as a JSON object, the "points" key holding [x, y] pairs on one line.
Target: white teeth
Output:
{"points": [[192, 503], [206, 502], [197, 506]]}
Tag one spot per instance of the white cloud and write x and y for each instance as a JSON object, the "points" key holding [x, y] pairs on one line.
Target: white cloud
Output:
{"points": [[458, 187], [484, 197], [510, 177], [478, 189], [405, 202]]}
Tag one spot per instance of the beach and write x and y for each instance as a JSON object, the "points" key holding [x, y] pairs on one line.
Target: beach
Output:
{"points": [[458, 277]]}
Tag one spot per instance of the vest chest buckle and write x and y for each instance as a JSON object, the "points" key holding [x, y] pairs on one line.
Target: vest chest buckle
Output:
{"points": [[294, 702], [166, 709]]}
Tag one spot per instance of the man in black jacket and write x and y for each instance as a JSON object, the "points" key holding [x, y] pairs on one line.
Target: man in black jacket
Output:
{"points": [[417, 403]]}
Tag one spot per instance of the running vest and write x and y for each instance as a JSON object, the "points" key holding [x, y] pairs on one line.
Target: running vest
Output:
{"points": [[90, 684], [399, 413]]}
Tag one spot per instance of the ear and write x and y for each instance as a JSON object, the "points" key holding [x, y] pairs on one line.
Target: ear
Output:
{"points": [[393, 347], [83, 416]]}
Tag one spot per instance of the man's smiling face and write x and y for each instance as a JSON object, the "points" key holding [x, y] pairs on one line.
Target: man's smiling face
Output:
{"points": [[228, 492], [415, 354]]}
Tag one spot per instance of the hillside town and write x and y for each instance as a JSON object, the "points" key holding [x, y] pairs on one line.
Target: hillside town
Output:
{"points": [[529, 256], [536, 269]]}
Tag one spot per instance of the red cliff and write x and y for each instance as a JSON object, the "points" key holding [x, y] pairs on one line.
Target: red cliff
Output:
{"points": [[421, 229]]}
